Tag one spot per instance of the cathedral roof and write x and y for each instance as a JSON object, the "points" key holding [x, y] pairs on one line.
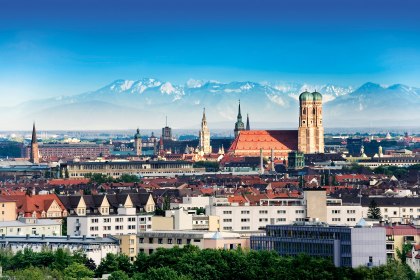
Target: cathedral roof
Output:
{"points": [[248, 140]]}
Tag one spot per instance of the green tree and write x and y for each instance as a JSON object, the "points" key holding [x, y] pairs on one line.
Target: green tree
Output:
{"points": [[118, 275], [77, 271], [374, 212], [402, 254]]}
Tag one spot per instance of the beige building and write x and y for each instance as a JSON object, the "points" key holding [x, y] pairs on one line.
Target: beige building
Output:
{"points": [[128, 245], [7, 210], [316, 202], [148, 242], [180, 219]]}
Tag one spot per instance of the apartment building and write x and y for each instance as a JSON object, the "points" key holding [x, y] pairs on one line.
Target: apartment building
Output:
{"points": [[94, 248], [148, 242], [345, 246], [180, 219], [32, 226], [313, 206]]}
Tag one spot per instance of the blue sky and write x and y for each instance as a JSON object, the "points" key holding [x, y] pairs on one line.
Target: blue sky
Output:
{"points": [[50, 48]]}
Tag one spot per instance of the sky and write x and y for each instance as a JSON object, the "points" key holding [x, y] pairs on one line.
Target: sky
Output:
{"points": [[50, 48]]}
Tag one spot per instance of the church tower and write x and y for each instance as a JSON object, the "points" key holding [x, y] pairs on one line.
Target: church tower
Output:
{"points": [[204, 136], [34, 158], [239, 125], [248, 127], [311, 130], [137, 143]]}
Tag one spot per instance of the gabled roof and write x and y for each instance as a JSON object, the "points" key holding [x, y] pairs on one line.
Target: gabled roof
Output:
{"points": [[35, 203]]}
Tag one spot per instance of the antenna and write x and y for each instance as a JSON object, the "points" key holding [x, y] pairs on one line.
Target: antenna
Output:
{"points": [[166, 121]]}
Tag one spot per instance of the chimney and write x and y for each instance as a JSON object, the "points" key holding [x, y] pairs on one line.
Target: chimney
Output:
{"points": [[68, 237], [84, 237]]}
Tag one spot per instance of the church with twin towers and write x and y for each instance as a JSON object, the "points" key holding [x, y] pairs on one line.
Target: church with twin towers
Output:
{"points": [[308, 138]]}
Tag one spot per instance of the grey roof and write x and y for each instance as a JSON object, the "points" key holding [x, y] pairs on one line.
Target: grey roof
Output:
{"points": [[57, 239], [46, 222]]}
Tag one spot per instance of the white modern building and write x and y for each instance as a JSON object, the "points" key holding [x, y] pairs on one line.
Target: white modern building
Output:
{"points": [[32, 226], [95, 248]]}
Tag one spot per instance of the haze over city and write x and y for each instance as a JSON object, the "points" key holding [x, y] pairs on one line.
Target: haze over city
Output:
{"points": [[53, 50]]}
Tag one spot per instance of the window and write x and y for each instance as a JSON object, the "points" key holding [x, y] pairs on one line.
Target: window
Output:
{"points": [[196, 240], [93, 228], [141, 240], [245, 228], [281, 211], [160, 241], [227, 212], [119, 220], [227, 228], [336, 219], [335, 211], [351, 211], [131, 227], [107, 220], [179, 241], [281, 219], [227, 220], [245, 220], [263, 220], [94, 221], [245, 212], [351, 219], [169, 240], [151, 240], [119, 227], [263, 212], [300, 211]]}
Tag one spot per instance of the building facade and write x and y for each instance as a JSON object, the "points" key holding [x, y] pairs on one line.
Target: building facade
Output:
{"points": [[94, 248], [118, 168], [31, 226], [345, 246]]}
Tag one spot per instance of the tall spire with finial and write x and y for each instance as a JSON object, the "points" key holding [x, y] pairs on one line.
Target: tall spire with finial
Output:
{"points": [[239, 125], [239, 111], [248, 127]]}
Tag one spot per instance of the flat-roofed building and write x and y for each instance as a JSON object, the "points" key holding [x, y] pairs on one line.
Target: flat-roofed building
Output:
{"points": [[32, 226], [149, 242], [95, 248], [117, 168], [344, 246]]}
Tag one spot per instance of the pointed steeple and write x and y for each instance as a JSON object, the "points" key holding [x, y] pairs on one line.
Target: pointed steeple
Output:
{"points": [[247, 122], [239, 111], [204, 121], [34, 139], [34, 156]]}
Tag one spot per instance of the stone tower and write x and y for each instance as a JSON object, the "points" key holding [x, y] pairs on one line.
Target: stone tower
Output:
{"points": [[204, 136], [137, 143], [311, 131], [34, 158], [239, 125]]}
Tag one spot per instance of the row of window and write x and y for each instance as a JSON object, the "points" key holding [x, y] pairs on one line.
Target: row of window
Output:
{"points": [[244, 212]]}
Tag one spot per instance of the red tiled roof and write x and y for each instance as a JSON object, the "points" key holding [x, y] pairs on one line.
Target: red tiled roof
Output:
{"points": [[417, 247], [55, 182], [249, 142], [35, 203], [401, 230]]}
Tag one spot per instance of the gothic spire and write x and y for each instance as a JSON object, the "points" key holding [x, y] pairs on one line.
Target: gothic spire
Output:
{"points": [[34, 140], [239, 111], [247, 122]]}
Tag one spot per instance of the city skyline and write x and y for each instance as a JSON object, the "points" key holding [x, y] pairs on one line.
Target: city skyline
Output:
{"points": [[52, 50]]}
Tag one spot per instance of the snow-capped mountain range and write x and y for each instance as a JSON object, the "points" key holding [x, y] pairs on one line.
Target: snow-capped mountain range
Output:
{"points": [[144, 103]]}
